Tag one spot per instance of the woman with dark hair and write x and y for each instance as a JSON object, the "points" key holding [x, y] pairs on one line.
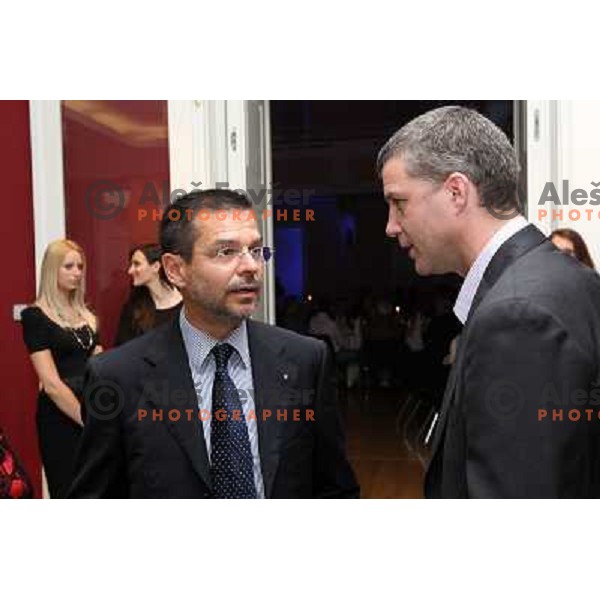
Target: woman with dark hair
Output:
{"points": [[570, 242], [153, 299]]}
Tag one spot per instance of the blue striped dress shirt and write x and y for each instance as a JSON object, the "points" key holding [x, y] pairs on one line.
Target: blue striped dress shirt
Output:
{"points": [[198, 346]]}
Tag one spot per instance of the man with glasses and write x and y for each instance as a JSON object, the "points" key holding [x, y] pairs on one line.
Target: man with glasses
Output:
{"points": [[213, 405]]}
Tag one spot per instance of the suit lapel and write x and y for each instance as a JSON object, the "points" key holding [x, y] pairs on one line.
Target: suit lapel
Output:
{"points": [[172, 370], [271, 378], [447, 400], [522, 242]]}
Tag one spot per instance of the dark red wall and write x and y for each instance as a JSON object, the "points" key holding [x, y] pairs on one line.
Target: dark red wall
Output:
{"points": [[92, 155], [19, 384]]}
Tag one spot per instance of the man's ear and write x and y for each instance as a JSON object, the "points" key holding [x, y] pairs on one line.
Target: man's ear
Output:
{"points": [[174, 267], [459, 186]]}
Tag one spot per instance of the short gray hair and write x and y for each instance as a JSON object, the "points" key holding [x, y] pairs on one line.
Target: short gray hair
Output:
{"points": [[455, 138]]}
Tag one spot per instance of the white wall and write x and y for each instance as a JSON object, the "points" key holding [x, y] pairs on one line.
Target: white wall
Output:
{"points": [[564, 144]]}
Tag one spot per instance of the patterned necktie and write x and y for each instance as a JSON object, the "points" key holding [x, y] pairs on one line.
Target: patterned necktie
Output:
{"points": [[231, 468]]}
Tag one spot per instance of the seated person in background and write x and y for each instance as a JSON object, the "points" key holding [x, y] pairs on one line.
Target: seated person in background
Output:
{"points": [[348, 357], [570, 242], [342, 334], [322, 325], [153, 299]]}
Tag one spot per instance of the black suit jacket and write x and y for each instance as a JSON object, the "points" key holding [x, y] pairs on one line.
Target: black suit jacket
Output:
{"points": [[123, 455], [531, 343]]}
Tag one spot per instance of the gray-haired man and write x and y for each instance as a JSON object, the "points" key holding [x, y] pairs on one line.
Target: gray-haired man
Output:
{"points": [[518, 417]]}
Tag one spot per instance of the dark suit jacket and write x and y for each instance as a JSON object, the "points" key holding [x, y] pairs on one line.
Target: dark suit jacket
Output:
{"points": [[531, 342], [123, 455]]}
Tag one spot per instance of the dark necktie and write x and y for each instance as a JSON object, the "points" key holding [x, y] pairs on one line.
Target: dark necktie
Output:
{"points": [[231, 468]]}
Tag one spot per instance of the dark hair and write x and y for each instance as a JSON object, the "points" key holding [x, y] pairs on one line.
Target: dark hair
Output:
{"points": [[152, 252], [142, 305], [454, 138], [178, 233], [582, 253]]}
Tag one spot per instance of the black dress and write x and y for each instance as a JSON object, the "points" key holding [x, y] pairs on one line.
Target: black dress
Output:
{"points": [[58, 435], [128, 329]]}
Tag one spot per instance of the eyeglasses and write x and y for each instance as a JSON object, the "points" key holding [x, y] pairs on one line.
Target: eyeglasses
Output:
{"points": [[230, 254]]}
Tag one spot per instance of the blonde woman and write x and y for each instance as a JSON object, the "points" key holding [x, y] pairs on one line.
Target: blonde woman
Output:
{"points": [[60, 333]]}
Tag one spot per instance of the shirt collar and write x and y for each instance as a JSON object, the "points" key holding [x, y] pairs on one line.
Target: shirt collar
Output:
{"points": [[199, 344], [473, 279]]}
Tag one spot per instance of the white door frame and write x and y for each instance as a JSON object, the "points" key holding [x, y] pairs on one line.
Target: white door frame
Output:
{"points": [[47, 176]]}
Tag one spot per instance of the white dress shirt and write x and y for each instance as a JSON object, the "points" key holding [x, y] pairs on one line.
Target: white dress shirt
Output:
{"points": [[477, 270]]}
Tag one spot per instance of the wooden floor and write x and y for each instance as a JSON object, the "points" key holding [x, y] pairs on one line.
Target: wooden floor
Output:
{"points": [[383, 464]]}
